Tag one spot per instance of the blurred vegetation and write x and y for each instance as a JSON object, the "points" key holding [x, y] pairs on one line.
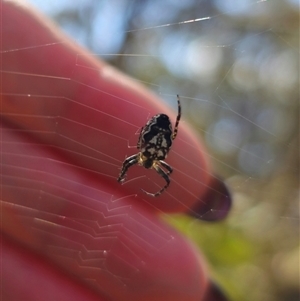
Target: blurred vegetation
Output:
{"points": [[237, 71]]}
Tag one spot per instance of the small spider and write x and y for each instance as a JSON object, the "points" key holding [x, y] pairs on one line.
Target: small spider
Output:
{"points": [[154, 143]]}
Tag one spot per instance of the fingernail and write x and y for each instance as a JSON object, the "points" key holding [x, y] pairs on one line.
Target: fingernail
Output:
{"points": [[215, 294], [216, 203]]}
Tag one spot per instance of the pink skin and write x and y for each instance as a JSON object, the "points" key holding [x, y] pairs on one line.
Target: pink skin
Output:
{"points": [[68, 227]]}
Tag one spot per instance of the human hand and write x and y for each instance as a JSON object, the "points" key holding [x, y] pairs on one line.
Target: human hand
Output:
{"points": [[69, 229]]}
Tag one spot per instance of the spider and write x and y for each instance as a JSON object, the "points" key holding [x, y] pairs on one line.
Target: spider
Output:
{"points": [[154, 144]]}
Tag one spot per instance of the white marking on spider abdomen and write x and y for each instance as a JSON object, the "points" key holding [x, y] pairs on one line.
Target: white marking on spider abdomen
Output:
{"points": [[153, 140], [160, 153], [164, 143], [151, 150]]}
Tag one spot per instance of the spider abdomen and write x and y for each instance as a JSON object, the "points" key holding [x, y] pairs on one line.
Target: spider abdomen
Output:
{"points": [[156, 137]]}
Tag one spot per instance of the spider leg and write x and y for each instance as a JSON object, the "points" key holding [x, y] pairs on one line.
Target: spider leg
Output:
{"points": [[177, 119], [166, 166], [126, 164], [162, 173], [140, 138]]}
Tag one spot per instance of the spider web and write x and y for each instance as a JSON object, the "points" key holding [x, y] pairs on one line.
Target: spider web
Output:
{"points": [[236, 71]]}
